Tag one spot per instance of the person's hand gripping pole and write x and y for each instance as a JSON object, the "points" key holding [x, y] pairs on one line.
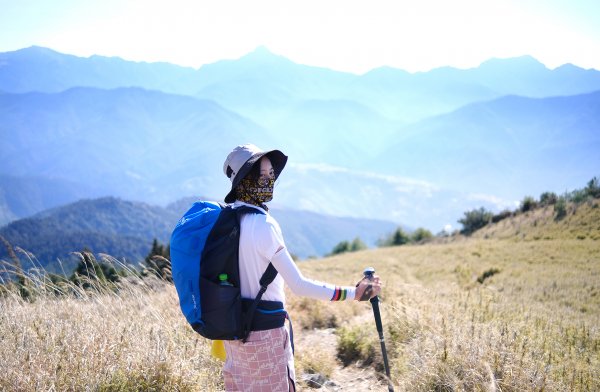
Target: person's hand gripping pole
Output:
{"points": [[370, 293]]}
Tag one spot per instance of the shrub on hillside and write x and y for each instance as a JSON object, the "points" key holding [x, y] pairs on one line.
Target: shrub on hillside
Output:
{"points": [[528, 204], [560, 208], [475, 220], [593, 188], [345, 246], [487, 274], [421, 235], [399, 237], [548, 198], [340, 247], [357, 244], [578, 196], [501, 216]]}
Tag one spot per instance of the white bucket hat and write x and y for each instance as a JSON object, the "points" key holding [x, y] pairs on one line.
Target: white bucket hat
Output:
{"points": [[242, 158]]}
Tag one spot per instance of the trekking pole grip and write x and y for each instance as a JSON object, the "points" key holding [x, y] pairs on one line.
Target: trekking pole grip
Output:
{"points": [[369, 275]]}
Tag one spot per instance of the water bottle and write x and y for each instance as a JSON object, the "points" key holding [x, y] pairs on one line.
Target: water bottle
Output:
{"points": [[223, 280]]}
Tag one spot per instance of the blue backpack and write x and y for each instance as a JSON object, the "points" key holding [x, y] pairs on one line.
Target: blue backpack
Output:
{"points": [[205, 244]]}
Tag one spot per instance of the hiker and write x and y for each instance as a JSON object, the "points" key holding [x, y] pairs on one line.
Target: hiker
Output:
{"points": [[265, 362]]}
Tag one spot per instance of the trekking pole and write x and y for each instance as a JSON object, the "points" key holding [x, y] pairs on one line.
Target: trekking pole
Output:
{"points": [[369, 272]]}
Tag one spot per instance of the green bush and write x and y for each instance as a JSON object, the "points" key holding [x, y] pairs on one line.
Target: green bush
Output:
{"points": [[421, 235], [487, 274], [399, 237], [528, 204], [341, 247], [593, 188], [548, 198], [345, 246], [357, 244], [355, 344], [475, 220], [578, 196], [501, 216], [560, 208]]}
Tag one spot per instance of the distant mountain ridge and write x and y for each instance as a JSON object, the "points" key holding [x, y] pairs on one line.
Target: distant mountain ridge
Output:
{"points": [[39, 69], [415, 148], [262, 84], [122, 142], [156, 147], [515, 140], [125, 229]]}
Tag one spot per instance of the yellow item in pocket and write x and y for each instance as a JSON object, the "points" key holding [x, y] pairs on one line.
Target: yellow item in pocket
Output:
{"points": [[218, 349]]}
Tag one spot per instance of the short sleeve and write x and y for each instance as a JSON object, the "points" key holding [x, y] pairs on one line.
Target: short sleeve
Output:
{"points": [[269, 238]]}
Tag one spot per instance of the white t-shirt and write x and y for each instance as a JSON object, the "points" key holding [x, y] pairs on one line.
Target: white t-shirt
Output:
{"points": [[261, 242]]}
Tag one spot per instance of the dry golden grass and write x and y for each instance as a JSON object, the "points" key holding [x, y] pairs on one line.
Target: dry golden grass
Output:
{"points": [[531, 325], [582, 221], [135, 340]]}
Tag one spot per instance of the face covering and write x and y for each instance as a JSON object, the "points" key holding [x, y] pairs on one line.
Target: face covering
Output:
{"points": [[254, 191]]}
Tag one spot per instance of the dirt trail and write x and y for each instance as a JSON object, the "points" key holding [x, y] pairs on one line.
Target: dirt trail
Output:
{"points": [[349, 378]]}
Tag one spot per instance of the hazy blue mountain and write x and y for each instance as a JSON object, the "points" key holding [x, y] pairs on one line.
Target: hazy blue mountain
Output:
{"points": [[263, 86], [126, 229], [355, 145], [155, 147], [407, 97], [263, 65], [25, 196], [335, 131], [511, 143], [370, 194], [528, 77], [45, 70], [125, 142]]}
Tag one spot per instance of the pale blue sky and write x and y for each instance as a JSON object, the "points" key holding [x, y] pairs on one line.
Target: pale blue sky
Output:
{"points": [[347, 35]]}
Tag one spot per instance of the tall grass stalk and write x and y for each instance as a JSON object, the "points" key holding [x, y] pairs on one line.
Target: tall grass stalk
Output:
{"points": [[531, 326], [125, 336]]}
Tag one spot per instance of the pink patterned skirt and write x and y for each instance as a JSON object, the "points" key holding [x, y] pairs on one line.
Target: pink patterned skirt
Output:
{"points": [[265, 363]]}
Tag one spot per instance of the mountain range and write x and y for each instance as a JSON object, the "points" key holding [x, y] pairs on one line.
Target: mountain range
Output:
{"points": [[126, 229], [413, 148]]}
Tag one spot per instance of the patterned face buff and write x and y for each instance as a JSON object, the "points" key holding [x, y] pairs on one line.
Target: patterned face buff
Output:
{"points": [[256, 191]]}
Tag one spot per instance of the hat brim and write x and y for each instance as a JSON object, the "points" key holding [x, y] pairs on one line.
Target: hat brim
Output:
{"points": [[277, 158]]}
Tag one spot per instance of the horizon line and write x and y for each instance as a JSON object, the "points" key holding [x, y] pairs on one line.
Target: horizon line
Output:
{"points": [[264, 48]]}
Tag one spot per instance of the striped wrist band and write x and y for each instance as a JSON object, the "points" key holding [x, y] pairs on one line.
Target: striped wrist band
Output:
{"points": [[339, 294]]}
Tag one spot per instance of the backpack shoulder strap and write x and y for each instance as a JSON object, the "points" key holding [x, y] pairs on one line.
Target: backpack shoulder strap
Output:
{"points": [[265, 280], [268, 276]]}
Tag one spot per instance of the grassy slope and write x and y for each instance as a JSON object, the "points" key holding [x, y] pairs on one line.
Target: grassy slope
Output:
{"points": [[134, 341], [531, 326], [582, 221]]}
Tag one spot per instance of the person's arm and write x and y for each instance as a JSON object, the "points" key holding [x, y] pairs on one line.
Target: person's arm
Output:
{"points": [[270, 240], [300, 285]]}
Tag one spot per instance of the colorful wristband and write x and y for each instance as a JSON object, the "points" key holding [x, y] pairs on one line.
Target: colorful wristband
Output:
{"points": [[339, 294]]}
